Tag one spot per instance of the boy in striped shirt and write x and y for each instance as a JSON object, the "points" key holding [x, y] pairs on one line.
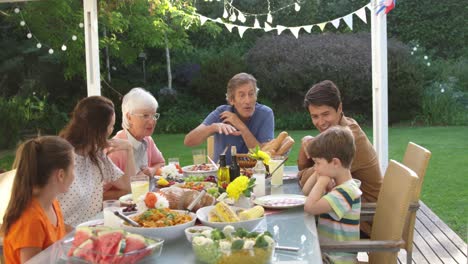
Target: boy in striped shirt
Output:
{"points": [[335, 196]]}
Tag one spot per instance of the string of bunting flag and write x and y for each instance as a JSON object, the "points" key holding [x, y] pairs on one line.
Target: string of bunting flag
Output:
{"points": [[348, 19], [39, 44]]}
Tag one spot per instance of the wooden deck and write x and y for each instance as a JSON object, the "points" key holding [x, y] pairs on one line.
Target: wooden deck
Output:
{"points": [[434, 242]]}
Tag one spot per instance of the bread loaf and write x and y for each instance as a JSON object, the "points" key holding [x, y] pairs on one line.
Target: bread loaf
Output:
{"points": [[285, 146]]}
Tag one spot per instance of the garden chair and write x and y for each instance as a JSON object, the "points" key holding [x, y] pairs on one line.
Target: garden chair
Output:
{"points": [[210, 147], [417, 159], [397, 190], [6, 184]]}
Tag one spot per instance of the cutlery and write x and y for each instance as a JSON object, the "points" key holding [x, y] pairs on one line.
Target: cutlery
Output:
{"points": [[293, 249], [196, 200], [212, 162], [126, 219]]}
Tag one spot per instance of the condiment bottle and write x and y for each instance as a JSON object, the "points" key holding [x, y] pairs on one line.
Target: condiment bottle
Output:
{"points": [[223, 172], [259, 176], [234, 169]]}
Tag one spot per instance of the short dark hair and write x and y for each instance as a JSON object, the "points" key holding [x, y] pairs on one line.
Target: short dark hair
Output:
{"points": [[335, 142], [323, 93]]}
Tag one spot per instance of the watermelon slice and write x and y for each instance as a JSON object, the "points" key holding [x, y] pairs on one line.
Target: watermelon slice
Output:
{"points": [[81, 235], [86, 251], [134, 249], [108, 244]]}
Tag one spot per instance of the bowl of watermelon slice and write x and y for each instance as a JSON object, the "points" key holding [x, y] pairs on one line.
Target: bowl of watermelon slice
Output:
{"points": [[109, 245]]}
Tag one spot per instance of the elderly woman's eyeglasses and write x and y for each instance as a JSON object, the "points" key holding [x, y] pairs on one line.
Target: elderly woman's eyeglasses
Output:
{"points": [[148, 117]]}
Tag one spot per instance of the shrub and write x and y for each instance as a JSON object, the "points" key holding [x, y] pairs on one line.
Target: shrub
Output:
{"points": [[12, 119], [287, 67]]}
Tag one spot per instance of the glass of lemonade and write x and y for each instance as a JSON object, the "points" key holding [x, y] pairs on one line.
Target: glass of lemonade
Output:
{"points": [[140, 186], [199, 156], [109, 207], [277, 177]]}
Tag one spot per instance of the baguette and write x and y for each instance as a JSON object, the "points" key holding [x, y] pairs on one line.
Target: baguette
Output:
{"points": [[286, 145], [279, 140]]}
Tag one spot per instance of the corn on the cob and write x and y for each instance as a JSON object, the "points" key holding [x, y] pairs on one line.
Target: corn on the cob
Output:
{"points": [[212, 217], [225, 213], [252, 213]]}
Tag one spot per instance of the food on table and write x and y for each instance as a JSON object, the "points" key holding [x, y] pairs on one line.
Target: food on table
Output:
{"points": [[225, 213], [130, 208], [233, 246], [252, 213], [198, 186], [180, 198], [161, 218], [153, 200], [107, 245], [280, 145], [162, 182], [202, 167], [200, 178]]}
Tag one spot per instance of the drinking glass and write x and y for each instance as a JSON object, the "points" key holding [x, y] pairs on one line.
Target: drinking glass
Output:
{"points": [[174, 161], [277, 177], [109, 207], [199, 156], [140, 186]]}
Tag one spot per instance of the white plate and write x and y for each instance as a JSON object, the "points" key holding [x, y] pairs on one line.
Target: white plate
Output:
{"points": [[188, 172], [280, 201], [250, 225], [126, 199], [92, 223]]}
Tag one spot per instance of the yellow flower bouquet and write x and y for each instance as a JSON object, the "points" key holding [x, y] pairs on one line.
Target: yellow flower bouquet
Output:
{"points": [[241, 185], [257, 154]]}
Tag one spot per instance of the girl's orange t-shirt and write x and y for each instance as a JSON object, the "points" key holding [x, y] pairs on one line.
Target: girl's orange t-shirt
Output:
{"points": [[32, 229]]}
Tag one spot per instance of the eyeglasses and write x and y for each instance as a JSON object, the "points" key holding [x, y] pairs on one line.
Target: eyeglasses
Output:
{"points": [[147, 117]]}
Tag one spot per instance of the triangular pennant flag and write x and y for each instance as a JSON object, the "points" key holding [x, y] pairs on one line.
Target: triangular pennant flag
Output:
{"points": [[349, 20], [336, 22], [280, 28], [256, 23], [307, 28], [241, 30], [269, 18], [295, 31], [369, 6], [203, 19], [219, 20], [267, 27], [322, 25], [361, 13], [229, 27]]}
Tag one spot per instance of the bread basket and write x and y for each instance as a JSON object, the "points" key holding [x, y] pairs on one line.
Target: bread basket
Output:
{"points": [[245, 161]]}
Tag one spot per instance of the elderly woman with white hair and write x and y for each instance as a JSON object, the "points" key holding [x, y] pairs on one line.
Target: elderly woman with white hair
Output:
{"points": [[139, 117]]}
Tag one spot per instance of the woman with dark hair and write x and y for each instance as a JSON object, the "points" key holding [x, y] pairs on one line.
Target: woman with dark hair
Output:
{"points": [[33, 220], [91, 124]]}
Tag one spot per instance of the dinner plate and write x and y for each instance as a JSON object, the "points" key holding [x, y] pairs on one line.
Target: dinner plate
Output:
{"points": [[92, 223], [280, 201], [126, 199]]}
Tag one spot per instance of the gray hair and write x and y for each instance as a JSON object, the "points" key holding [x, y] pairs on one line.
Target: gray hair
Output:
{"points": [[239, 80], [137, 98]]}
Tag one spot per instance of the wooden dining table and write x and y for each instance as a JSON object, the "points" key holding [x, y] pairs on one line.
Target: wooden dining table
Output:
{"points": [[294, 229]]}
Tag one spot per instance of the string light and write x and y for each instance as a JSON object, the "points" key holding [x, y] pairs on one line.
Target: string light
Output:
{"points": [[30, 35]]}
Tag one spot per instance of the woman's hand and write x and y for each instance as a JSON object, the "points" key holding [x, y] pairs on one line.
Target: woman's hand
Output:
{"points": [[117, 144]]}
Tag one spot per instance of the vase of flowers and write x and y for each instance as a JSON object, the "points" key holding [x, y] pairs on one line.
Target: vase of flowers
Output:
{"points": [[258, 154], [240, 190]]}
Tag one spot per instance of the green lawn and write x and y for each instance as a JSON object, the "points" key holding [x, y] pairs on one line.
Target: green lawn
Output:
{"points": [[445, 186]]}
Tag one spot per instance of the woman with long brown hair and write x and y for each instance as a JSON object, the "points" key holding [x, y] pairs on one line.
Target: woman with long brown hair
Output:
{"points": [[91, 124], [33, 220]]}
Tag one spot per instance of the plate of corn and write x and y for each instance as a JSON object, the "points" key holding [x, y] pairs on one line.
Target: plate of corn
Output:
{"points": [[221, 215]]}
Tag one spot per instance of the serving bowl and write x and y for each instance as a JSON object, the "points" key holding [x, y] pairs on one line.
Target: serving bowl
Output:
{"points": [[167, 233], [200, 170], [193, 231], [202, 215]]}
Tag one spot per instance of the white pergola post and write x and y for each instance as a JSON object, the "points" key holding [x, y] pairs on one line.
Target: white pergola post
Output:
{"points": [[379, 84], [93, 76]]}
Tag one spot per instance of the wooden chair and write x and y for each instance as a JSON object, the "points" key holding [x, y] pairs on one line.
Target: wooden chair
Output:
{"points": [[210, 147], [392, 209], [6, 184], [417, 159]]}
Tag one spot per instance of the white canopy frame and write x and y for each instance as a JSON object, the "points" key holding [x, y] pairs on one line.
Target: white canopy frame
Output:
{"points": [[379, 70]]}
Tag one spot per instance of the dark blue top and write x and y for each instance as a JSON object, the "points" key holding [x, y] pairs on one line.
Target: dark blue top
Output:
{"points": [[261, 124]]}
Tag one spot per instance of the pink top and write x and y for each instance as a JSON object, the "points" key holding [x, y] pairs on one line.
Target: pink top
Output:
{"points": [[120, 157]]}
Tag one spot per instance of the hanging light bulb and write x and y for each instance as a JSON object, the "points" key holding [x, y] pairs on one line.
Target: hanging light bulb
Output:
{"points": [[233, 17], [64, 48], [256, 23], [39, 45], [29, 35], [51, 51], [74, 37], [297, 7], [241, 17], [225, 13], [22, 23], [269, 18], [17, 10], [81, 25]]}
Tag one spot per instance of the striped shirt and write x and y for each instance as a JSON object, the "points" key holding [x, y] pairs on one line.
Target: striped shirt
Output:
{"points": [[342, 223]]}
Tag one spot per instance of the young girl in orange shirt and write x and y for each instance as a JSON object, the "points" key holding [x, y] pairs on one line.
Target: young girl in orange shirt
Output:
{"points": [[33, 220]]}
